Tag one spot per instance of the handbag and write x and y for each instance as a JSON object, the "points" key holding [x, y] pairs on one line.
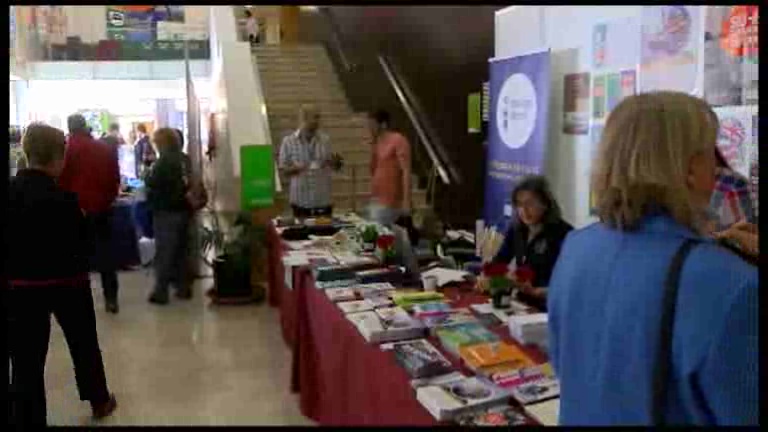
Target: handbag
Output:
{"points": [[663, 365]]}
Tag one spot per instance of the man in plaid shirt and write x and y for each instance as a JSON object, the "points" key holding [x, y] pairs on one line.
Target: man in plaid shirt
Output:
{"points": [[305, 158]]}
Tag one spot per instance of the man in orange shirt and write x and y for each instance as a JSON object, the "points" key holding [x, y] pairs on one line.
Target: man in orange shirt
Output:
{"points": [[390, 171]]}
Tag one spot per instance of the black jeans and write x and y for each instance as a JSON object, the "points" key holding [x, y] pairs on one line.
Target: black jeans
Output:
{"points": [[303, 212], [171, 243], [102, 252], [29, 319]]}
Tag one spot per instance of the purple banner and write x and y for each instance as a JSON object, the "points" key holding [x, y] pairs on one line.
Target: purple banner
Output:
{"points": [[518, 127]]}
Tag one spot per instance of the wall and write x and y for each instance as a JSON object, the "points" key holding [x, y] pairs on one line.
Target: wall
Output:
{"points": [[238, 104], [442, 53], [567, 31]]}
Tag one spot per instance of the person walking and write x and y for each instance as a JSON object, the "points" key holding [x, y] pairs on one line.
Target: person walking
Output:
{"points": [[166, 196], [390, 169], [91, 170], [46, 263], [306, 160], [143, 152], [651, 322]]}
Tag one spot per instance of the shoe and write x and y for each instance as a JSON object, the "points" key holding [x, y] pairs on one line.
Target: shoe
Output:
{"points": [[112, 307], [184, 294], [104, 409], [158, 299]]}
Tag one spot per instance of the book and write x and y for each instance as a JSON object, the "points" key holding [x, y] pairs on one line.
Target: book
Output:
{"points": [[456, 316], [368, 290], [390, 274], [529, 329], [514, 377], [487, 358], [534, 387], [448, 400], [380, 301], [447, 276], [420, 359], [340, 294], [407, 299], [489, 320], [355, 306], [435, 380], [465, 334], [375, 330], [344, 283], [546, 413], [431, 308], [502, 415], [324, 272]]}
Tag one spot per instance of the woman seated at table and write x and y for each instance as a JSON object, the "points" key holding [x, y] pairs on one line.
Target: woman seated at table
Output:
{"points": [[534, 240]]}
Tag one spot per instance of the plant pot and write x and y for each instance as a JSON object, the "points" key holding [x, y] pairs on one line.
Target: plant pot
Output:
{"points": [[501, 292], [368, 246], [232, 276]]}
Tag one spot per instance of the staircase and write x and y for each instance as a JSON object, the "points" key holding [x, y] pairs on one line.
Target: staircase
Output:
{"points": [[292, 75]]}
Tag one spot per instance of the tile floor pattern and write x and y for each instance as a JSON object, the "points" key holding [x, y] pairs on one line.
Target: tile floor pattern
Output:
{"points": [[187, 363]]}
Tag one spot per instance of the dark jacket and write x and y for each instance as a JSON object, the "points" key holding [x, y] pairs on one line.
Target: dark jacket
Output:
{"points": [[540, 254], [45, 231], [167, 184]]}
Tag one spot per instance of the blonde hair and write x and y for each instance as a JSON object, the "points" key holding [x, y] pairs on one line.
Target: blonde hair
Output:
{"points": [[166, 139], [644, 156], [43, 144]]}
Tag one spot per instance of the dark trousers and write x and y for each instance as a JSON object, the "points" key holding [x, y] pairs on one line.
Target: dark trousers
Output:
{"points": [[29, 319], [102, 252], [303, 212], [171, 242]]}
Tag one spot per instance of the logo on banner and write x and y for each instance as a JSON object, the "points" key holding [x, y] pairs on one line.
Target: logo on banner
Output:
{"points": [[516, 111]]}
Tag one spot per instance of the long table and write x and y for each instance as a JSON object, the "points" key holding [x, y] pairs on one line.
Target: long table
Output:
{"points": [[340, 378]]}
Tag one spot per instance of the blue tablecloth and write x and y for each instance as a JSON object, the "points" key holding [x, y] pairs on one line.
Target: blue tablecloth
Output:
{"points": [[124, 234]]}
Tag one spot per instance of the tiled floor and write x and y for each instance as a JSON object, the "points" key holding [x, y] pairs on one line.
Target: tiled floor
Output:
{"points": [[187, 363]]}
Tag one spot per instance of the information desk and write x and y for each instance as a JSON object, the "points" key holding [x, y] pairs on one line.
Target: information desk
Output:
{"points": [[341, 379]]}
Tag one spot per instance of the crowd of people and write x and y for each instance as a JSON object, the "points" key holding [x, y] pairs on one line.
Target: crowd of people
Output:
{"points": [[652, 310], [60, 208]]}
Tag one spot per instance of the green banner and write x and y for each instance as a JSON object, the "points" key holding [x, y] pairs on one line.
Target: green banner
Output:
{"points": [[257, 176], [474, 115]]}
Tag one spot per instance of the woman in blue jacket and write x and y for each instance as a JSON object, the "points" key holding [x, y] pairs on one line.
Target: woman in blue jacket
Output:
{"points": [[622, 350]]}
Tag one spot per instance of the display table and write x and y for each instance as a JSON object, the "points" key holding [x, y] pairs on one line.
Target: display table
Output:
{"points": [[124, 240], [341, 379]]}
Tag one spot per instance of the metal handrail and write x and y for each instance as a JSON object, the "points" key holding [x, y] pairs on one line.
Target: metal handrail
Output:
{"points": [[447, 173]]}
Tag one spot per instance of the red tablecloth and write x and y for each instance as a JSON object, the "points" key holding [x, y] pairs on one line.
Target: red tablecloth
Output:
{"points": [[279, 295], [341, 379]]}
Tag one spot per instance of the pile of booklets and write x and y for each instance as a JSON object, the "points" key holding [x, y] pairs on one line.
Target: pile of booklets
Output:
{"points": [[446, 401], [529, 329], [408, 300], [383, 324]]}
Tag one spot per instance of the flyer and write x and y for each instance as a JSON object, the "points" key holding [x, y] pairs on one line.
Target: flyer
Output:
{"points": [[731, 55], [598, 97], [615, 45], [576, 104], [736, 139], [669, 48], [612, 92]]}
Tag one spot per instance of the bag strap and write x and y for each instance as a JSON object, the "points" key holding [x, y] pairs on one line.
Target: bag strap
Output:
{"points": [[663, 364]]}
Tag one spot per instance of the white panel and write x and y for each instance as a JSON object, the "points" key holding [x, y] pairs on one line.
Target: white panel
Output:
{"points": [[518, 31], [167, 69], [122, 70], [61, 70]]}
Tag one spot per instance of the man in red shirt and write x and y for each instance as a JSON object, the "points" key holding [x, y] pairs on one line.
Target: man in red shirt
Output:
{"points": [[390, 171], [91, 171]]}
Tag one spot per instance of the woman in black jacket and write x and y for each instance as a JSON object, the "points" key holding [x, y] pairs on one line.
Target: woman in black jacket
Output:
{"points": [[535, 239], [47, 266]]}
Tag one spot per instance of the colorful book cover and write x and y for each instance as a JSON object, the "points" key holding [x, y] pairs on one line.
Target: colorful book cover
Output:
{"points": [[455, 336], [420, 359], [456, 316], [612, 92], [340, 294], [598, 97], [504, 415], [446, 401], [486, 355], [355, 306], [432, 308]]}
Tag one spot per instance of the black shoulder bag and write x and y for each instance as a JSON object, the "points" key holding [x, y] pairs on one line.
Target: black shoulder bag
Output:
{"points": [[663, 365]]}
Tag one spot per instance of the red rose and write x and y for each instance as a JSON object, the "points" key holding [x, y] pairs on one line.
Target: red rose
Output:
{"points": [[494, 269], [385, 242], [524, 274]]}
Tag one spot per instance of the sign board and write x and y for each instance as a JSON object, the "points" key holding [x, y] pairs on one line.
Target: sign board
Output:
{"points": [[257, 176]]}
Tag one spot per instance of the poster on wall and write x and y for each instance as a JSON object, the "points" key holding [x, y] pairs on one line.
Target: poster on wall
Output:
{"points": [[139, 23], [474, 116], [669, 48], [737, 137], [518, 126], [576, 104], [595, 134], [731, 55], [598, 97], [616, 44]]}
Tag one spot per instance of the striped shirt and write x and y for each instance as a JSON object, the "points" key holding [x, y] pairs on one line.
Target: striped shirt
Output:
{"points": [[312, 188], [731, 200]]}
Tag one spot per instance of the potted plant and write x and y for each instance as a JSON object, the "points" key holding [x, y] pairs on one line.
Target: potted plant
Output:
{"points": [[499, 285], [368, 235]]}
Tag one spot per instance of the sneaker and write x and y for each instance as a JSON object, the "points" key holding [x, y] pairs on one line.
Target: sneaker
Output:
{"points": [[104, 409], [156, 298]]}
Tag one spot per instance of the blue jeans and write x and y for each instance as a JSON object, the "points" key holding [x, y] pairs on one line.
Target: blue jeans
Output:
{"points": [[383, 215], [171, 243]]}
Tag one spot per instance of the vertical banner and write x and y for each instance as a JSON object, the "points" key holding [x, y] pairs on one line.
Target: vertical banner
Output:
{"points": [[518, 126], [473, 113], [194, 146]]}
